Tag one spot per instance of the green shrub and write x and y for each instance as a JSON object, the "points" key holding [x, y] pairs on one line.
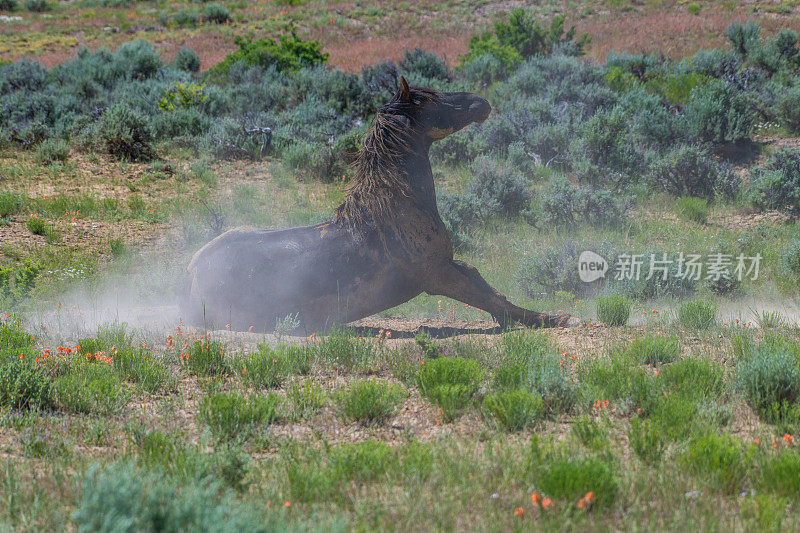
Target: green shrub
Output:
{"points": [[217, 13], [425, 65], [452, 400], [143, 368], [693, 8], [719, 461], [122, 497], [488, 45], [205, 358], [364, 461], [614, 309], [117, 247], [370, 401], [785, 416], [654, 349], [308, 479], [675, 284], [675, 87], [697, 314], [508, 376], [268, 368], [14, 338], [790, 259], [36, 225], [90, 388], [723, 285], [514, 410], [779, 473], [646, 440], [693, 208], [125, 133], [203, 174], [617, 377], [768, 376], [288, 54], [23, 384], [543, 372], [744, 38], [590, 433], [690, 170], [138, 59], [776, 184], [8, 5], [52, 150], [448, 371], [564, 476], [37, 6], [186, 60], [231, 415], [185, 461], [676, 418], [461, 214], [10, 203], [561, 203], [498, 187], [306, 399], [787, 108], [341, 349], [692, 378], [717, 113], [187, 17], [522, 36], [555, 268], [17, 283], [182, 96]]}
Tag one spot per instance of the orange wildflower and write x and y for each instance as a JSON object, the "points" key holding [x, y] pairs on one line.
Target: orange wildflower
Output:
{"points": [[546, 503], [287, 503], [520, 512], [536, 498]]}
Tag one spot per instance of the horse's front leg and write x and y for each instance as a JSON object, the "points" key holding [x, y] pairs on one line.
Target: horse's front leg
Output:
{"points": [[463, 282]]}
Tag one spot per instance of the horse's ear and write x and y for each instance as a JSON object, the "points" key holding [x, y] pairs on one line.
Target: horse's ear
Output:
{"points": [[405, 90]]}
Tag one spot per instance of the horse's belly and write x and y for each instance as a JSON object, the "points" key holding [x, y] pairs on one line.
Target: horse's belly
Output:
{"points": [[251, 278]]}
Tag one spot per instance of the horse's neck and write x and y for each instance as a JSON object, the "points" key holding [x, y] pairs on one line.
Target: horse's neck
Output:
{"points": [[417, 169]]}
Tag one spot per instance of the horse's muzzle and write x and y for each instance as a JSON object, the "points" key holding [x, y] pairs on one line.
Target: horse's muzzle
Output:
{"points": [[479, 109]]}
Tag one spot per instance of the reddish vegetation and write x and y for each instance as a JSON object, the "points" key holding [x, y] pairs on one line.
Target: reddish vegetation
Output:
{"points": [[352, 56], [671, 32]]}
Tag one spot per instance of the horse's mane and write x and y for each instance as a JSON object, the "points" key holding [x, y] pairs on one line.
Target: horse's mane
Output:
{"points": [[378, 179]]}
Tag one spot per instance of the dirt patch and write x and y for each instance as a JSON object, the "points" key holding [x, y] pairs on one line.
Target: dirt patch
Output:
{"points": [[90, 236], [745, 221]]}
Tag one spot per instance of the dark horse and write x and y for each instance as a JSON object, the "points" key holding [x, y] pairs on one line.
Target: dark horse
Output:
{"points": [[385, 245]]}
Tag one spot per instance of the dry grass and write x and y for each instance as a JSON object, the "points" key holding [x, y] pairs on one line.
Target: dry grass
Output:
{"points": [[356, 37]]}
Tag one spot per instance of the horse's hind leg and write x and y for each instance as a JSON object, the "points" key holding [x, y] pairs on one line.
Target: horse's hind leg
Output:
{"points": [[463, 282]]}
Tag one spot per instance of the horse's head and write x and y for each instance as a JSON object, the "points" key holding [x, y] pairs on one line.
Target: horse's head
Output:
{"points": [[434, 114]]}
